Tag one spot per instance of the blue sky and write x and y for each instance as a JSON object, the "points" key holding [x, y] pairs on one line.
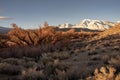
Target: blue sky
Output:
{"points": [[31, 13]]}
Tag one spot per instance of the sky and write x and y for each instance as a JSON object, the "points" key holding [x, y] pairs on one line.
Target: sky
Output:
{"points": [[33, 13]]}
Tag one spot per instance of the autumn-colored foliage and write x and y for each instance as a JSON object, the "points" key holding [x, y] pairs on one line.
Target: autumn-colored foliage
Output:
{"points": [[105, 73], [42, 36]]}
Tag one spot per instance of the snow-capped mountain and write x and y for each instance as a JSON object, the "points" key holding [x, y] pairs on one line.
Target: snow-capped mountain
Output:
{"points": [[90, 24], [66, 25], [118, 22]]}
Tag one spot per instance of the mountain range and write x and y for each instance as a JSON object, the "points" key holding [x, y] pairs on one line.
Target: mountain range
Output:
{"points": [[90, 24], [99, 25], [4, 30]]}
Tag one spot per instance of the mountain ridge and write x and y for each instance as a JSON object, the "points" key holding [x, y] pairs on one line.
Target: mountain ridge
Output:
{"points": [[4, 30], [90, 24]]}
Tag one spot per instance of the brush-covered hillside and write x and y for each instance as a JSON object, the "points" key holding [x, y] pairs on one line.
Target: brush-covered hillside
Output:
{"points": [[50, 54]]}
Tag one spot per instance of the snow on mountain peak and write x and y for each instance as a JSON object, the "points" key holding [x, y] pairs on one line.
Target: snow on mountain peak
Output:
{"points": [[118, 21], [91, 24]]}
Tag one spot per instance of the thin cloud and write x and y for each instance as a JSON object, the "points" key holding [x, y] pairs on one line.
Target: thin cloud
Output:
{"points": [[5, 18]]}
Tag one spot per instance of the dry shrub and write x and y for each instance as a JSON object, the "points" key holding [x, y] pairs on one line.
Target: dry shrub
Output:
{"points": [[105, 73], [45, 35], [3, 39], [61, 75], [33, 74], [73, 73], [6, 68], [61, 56], [23, 37], [19, 52], [115, 61], [31, 37], [105, 58], [13, 61], [38, 41]]}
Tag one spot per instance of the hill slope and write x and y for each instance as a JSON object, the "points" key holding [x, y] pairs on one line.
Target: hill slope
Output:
{"points": [[107, 33]]}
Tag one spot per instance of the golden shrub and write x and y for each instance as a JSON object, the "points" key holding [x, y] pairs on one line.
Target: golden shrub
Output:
{"points": [[105, 73]]}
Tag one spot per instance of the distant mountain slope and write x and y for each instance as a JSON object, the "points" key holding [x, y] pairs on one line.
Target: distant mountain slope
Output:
{"points": [[4, 30], [90, 24], [111, 31], [115, 30]]}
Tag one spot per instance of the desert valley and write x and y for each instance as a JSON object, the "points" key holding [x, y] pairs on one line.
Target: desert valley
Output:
{"points": [[86, 51]]}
